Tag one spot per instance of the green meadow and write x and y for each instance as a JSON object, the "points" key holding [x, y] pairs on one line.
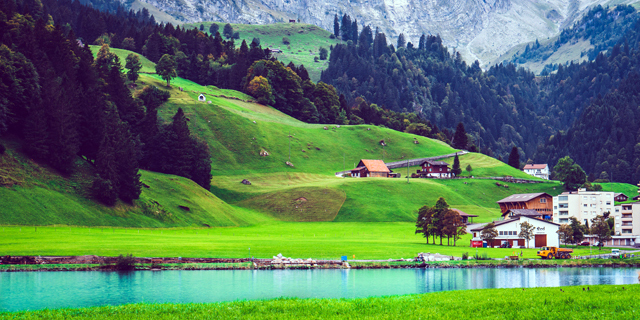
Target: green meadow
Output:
{"points": [[147, 65], [318, 240], [600, 302]]}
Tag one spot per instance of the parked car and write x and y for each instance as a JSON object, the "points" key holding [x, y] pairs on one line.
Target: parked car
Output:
{"points": [[505, 245], [584, 243], [615, 253]]}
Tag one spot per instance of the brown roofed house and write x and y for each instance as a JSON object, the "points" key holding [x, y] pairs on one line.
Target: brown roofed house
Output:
{"points": [[435, 169], [466, 218], [540, 202], [370, 168], [620, 197]]}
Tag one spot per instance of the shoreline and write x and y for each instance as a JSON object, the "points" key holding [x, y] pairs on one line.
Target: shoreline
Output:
{"points": [[165, 264]]}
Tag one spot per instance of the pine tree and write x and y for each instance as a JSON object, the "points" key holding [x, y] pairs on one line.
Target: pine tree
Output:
{"points": [[456, 170], [460, 137], [336, 26], [354, 32], [213, 29], [345, 28], [401, 41], [514, 158]]}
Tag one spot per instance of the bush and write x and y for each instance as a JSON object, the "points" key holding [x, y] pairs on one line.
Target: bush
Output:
{"points": [[125, 263], [286, 41], [484, 256], [315, 59], [323, 53], [465, 256], [332, 36], [2, 149]]}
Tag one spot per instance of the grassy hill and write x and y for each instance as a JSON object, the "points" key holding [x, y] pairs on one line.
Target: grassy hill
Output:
{"points": [[305, 41], [33, 194], [147, 65]]}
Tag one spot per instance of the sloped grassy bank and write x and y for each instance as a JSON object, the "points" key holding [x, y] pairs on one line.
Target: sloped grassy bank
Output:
{"points": [[245, 264], [599, 302]]}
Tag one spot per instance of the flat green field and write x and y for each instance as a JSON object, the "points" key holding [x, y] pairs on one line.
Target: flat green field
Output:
{"points": [[147, 65], [305, 42], [318, 240], [600, 302]]}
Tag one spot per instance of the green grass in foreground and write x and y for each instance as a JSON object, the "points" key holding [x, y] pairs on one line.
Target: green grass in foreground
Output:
{"points": [[318, 240], [600, 302], [147, 65]]}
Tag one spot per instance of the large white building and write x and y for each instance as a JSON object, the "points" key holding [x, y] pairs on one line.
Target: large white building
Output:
{"points": [[537, 170], [583, 205], [546, 233]]}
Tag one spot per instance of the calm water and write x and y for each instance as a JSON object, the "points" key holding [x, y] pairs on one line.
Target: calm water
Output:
{"points": [[39, 290]]}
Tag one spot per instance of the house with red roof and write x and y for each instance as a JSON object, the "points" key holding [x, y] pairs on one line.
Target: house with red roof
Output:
{"points": [[371, 168], [537, 170]]}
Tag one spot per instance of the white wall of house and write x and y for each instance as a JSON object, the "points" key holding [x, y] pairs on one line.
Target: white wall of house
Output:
{"points": [[540, 173], [583, 205], [509, 232], [627, 219]]}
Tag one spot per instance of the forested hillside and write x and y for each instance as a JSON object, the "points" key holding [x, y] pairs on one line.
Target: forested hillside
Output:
{"points": [[500, 107], [600, 27]]}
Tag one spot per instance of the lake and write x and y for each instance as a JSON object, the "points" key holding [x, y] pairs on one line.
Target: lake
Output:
{"points": [[39, 290]]}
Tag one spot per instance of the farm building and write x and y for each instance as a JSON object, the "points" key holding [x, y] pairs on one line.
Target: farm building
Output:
{"points": [[620, 197], [541, 202], [435, 169], [466, 218], [514, 213], [537, 170], [545, 233], [370, 168]]}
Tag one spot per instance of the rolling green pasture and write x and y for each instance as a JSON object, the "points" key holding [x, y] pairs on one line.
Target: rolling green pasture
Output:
{"points": [[600, 302], [34, 194], [318, 240], [147, 65], [305, 42]]}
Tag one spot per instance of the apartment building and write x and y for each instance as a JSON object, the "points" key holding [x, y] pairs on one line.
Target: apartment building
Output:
{"points": [[583, 205]]}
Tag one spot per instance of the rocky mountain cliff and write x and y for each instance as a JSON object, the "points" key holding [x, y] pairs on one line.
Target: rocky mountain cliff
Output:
{"points": [[478, 29]]}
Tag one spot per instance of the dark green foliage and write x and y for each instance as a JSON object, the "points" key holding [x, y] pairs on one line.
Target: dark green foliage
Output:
{"points": [[345, 28], [201, 27], [2, 149], [577, 229], [213, 29], [570, 173], [514, 158], [336, 25], [125, 263], [401, 41], [456, 166], [166, 67], [323, 53], [460, 139], [134, 65], [227, 32]]}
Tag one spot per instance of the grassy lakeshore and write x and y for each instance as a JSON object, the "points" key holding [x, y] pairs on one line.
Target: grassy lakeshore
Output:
{"points": [[600, 302], [318, 240]]}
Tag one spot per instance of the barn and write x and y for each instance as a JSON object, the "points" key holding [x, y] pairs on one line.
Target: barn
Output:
{"points": [[545, 233], [370, 168]]}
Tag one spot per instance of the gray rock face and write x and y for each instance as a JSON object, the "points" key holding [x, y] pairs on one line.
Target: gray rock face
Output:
{"points": [[478, 29]]}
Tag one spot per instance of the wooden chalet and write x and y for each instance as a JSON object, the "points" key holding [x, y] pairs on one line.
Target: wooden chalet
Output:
{"points": [[620, 197], [466, 218], [435, 169], [540, 202], [371, 168]]}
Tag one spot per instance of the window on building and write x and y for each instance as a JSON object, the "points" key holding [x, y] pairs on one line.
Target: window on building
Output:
{"points": [[543, 200], [563, 198], [563, 205], [501, 233], [585, 197], [593, 198], [564, 213], [564, 220], [584, 205], [626, 230], [608, 195], [608, 203]]}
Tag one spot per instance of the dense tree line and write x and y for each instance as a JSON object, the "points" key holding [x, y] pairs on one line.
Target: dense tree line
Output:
{"points": [[66, 106], [440, 221]]}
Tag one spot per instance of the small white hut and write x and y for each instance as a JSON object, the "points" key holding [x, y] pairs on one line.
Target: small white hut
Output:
{"points": [[201, 97]]}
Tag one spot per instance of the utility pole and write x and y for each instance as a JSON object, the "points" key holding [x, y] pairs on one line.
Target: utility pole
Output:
{"points": [[407, 170], [289, 146]]}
